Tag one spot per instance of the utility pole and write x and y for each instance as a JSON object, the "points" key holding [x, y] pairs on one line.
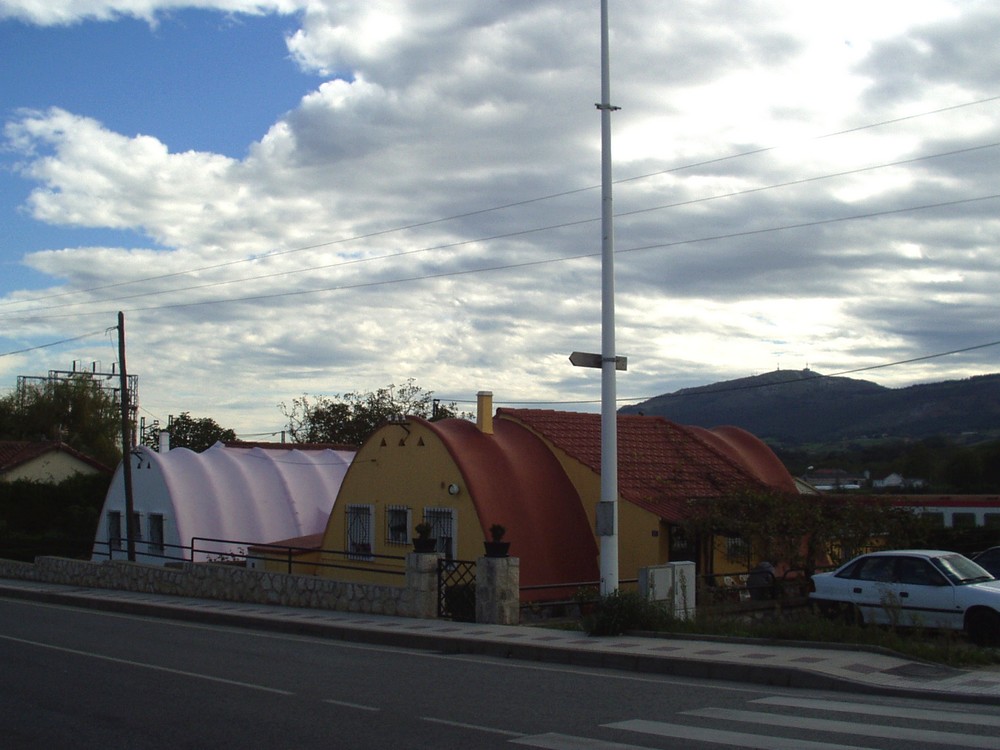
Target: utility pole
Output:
{"points": [[130, 530], [607, 508]]}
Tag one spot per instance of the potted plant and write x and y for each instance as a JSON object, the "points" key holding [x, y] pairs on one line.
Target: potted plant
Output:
{"points": [[423, 542], [496, 547]]}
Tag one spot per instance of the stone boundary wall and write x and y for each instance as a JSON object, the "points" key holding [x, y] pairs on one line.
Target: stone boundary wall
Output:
{"points": [[417, 598]]}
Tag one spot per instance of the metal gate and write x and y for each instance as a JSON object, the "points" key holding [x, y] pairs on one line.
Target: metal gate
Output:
{"points": [[457, 590]]}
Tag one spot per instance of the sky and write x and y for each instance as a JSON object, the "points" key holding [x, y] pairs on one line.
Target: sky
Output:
{"points": [[291, 197]]}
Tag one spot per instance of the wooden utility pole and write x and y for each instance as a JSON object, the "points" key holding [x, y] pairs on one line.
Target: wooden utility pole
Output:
{"points": [[130, 530]]}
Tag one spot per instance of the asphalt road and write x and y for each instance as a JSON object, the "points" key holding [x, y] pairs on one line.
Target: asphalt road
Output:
{"points": [[77, 679]]}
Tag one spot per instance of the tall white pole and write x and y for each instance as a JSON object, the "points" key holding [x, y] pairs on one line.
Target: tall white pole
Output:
{"points": [[607, 511]]}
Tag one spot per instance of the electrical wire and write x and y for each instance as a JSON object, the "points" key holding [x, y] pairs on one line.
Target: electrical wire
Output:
{"points": [[519, 233], [530, 263], [524, 202]]}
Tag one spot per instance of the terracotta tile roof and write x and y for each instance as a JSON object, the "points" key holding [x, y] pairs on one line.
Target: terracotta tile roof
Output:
{"points": [[15, 453], [661, 465]]}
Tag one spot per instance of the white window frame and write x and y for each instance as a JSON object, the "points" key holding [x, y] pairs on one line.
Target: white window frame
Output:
{"points": [[359, 531]]}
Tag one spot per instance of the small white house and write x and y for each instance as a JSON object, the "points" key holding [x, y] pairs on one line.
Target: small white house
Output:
{"points": [[241, 494]]}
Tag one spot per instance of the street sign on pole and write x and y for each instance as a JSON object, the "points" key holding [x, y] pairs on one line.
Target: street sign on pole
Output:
{"points": [[589, 359]]}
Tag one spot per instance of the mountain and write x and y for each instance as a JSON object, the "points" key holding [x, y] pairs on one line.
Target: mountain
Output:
{"points": [[793, 407]]}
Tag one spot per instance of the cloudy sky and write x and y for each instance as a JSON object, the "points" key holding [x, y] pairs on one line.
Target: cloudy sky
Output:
{"points": [[292, 197]]}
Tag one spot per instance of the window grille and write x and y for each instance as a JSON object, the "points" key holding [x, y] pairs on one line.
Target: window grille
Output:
{"points": [[737, 549], [397, 524], [156, 533], [442, 521], [359, 531]]}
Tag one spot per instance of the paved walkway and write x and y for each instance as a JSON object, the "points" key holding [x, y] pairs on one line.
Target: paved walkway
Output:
{"points": [[850, 669]]}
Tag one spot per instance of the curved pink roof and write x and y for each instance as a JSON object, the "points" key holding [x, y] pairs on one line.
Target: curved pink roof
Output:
{"points": [[516, 481]]}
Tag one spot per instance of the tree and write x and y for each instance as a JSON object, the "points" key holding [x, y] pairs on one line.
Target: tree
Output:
{"points": [[197, 434], [350, 418], [78, 411]]}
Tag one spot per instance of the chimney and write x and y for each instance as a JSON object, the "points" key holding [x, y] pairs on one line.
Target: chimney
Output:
{"points": [[164, 441], [484, 412]]}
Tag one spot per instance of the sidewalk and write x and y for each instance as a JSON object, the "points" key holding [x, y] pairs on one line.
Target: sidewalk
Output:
{"points": [[800, 665]]}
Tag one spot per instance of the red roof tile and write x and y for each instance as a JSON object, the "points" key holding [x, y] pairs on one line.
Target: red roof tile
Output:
{"points": [[662, 465]]}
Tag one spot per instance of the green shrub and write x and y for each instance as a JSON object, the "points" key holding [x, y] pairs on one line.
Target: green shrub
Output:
{"points": [[621, 611]]}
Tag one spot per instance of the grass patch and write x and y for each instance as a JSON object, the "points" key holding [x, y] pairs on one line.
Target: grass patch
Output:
{"points": [[623, 612]]}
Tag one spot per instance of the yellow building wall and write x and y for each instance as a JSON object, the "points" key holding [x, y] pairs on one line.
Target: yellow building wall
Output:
{"points": [[400, 465]]}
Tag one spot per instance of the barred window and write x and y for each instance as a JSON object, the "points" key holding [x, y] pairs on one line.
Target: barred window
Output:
{"points": [[737, 549], [156, 533], [359, 530], [114, 529], [442, 521], [397, 524]]}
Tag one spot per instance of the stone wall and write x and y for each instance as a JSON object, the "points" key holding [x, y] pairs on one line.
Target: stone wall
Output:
{"points": [[418, 598]]}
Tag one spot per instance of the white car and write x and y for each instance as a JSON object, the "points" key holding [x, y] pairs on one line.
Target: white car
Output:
{"points": [[913, 588]]}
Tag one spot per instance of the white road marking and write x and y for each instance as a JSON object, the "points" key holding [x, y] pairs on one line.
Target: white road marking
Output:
{"points": [[848, 727], [556, 741], [959, 717], [477, 727], [143, 665], [723, 737], [346, 704]]}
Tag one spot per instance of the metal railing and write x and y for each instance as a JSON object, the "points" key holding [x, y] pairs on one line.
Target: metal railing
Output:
{"points": [[242, 552]]}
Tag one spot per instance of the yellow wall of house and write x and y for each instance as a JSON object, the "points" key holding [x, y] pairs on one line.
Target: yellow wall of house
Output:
{"points": [[400, 465]]}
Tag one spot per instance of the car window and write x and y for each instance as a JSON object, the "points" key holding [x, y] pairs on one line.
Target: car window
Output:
{"points": [[875, 569], [960, 570], [915, 571]]}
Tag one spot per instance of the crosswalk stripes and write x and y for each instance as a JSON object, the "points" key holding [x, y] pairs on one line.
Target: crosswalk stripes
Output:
{"points": [[795, 718]]}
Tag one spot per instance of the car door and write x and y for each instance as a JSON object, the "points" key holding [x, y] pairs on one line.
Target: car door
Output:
{"points": [[926, 598], [871, 589]]}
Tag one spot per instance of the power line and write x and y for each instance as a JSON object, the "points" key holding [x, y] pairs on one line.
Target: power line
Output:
{"points": [[529, 201], [508, 235], [704, 391], [53, 343], [535, 263]]}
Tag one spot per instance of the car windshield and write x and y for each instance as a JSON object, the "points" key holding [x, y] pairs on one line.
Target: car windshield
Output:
{"points": [[960, 569]]}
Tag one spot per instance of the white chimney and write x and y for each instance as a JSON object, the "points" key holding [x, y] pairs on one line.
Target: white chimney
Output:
{"points": [[484, 412], [164, 441]]}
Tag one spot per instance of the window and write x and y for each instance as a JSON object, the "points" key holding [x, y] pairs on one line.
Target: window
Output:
{"points": [[114, 529], [963, 520], [991, 520], [442, 521], [737, 549], [876, 569], [156, 533], [397, 524], [359, 530], [934, 517]]}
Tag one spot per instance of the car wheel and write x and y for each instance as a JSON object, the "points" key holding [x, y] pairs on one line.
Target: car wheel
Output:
{"points": [[982, 626]]}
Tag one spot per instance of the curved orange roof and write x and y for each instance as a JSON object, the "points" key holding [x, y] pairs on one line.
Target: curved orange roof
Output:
{"points": [[752, 452], [516, 481]]}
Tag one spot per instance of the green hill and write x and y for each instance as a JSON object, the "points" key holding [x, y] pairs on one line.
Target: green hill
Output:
{"points": [[797, 407]]}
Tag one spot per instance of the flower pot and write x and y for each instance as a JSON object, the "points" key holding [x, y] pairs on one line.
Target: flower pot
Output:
{"points": [[496, 549], [424, 545]]}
